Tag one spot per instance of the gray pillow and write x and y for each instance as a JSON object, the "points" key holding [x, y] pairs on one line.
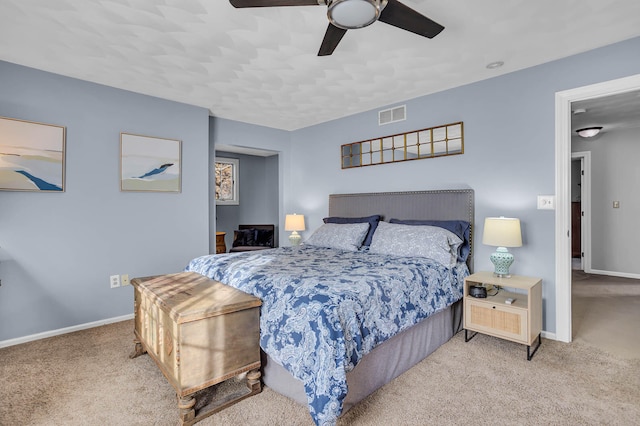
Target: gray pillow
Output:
{"points": [[347, 236], [461, 228], [372, 220], [431, 242]]}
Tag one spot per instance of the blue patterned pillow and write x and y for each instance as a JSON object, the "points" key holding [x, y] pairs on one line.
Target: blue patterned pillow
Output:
{"points": [[372, 220], [348, 236], [432, 242]]}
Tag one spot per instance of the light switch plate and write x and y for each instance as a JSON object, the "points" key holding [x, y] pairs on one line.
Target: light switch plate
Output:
{"points": [[546, 202]]}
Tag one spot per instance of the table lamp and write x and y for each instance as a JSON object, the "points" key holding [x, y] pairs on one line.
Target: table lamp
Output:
{"points": [[294, 222], [502, 232]]}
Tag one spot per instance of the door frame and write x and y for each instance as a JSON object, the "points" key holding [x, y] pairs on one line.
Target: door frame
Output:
{"points": [[563, 102]]}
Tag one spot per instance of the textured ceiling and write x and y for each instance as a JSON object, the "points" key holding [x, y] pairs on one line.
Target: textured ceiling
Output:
{"points": [[260, 66]]}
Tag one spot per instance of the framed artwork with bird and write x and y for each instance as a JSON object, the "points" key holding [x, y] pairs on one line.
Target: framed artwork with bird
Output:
{"points": [[149, 163]]}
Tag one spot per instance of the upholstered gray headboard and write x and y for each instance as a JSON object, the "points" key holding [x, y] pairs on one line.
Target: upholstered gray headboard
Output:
{"points": [[447, 204]]}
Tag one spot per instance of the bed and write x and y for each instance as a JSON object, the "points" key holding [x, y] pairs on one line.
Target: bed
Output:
{"points": [[337, 323]]}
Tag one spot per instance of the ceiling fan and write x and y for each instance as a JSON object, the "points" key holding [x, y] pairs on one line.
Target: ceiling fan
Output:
{"points": [[351, 14]]}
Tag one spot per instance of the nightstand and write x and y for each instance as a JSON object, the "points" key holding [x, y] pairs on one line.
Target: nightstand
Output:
{"points": [[520, 321]]}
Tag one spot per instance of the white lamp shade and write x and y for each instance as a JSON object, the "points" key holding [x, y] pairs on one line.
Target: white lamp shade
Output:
{"points": [[502, 232], [294, 222]]}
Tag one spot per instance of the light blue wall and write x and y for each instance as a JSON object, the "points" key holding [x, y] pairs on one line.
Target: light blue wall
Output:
{"points": [[615, 176], [57, 250], [509, 159], [57, 269]]}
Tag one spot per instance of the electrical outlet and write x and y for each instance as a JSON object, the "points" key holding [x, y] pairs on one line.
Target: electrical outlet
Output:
{"points": [[115, 281], [124, 279]]}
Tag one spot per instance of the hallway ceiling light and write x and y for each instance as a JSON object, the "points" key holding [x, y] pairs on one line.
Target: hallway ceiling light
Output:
{"points": [[494, 65], [588, 132]]}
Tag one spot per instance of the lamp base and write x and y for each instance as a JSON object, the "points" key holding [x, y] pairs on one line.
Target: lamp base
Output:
{"points": [[501, 260], [295, 238]]}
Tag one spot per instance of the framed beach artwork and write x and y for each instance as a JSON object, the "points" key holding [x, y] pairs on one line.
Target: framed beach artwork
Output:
{"points": [[31, 156], [149, 163]]}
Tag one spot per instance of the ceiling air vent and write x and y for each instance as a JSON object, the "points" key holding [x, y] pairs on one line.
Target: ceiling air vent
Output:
{"points": [[392, 115]]}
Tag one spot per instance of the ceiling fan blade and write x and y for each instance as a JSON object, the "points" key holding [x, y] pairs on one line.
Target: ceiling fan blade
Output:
{"points": [[272, 3], [401, 16], [331, 39]]}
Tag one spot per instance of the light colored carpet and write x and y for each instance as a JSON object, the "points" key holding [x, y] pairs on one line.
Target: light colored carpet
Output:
{"points": [[86, 378], [592, 285], [606, 313]]}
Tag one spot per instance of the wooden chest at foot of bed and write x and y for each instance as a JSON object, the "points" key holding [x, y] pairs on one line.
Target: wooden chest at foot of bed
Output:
{"points": [[200, 333]]}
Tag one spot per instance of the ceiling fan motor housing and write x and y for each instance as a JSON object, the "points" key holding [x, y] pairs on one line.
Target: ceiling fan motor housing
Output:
{"points": [[352, 14]]}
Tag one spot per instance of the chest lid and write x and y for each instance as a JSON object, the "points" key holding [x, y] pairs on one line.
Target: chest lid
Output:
{"points": [[189, 296]]}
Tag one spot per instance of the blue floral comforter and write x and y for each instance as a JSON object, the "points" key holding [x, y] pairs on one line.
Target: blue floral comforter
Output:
{"points": [[324, 309]]}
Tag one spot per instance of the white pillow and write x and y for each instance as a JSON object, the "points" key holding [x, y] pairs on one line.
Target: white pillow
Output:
{"points": [[432, 242], [342, 236]]}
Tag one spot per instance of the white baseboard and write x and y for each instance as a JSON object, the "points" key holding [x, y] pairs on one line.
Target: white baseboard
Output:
{"points": [[52, 333], [613, 273], [548, 335]]}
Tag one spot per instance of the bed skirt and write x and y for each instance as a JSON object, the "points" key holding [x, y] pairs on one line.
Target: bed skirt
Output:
{"points": [[383, 364]]}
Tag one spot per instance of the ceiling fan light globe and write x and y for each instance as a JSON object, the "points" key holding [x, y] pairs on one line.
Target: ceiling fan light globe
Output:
{"points": [[352, 14]]}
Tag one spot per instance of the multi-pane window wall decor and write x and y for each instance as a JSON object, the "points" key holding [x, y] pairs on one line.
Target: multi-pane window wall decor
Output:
{"points": [[415, 145]]}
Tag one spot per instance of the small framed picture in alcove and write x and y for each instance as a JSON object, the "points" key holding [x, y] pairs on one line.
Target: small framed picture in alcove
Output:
{"points": [[226, 176]]}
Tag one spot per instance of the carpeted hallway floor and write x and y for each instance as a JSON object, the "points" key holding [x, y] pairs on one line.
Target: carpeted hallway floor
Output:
{"points": [[606, 313]]}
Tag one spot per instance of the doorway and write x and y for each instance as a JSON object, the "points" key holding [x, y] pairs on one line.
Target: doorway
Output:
{"points": [[563, 190]]}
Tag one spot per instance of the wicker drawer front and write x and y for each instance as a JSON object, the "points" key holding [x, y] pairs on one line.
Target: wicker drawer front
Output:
{"points": [[502, 321]]}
